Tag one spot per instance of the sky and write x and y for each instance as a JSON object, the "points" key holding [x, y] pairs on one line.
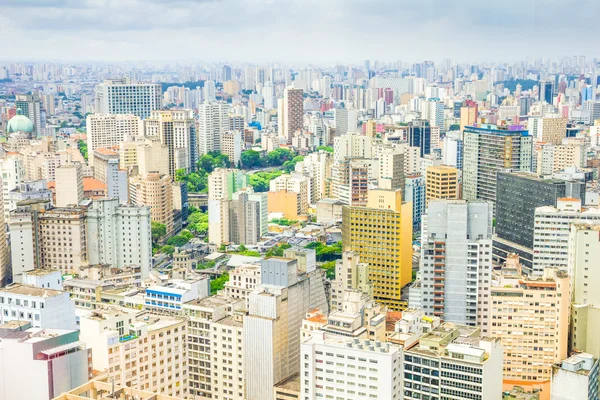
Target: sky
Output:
{"points": [[297, 31]]}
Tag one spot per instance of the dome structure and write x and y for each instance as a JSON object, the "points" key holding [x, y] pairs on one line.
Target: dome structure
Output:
{"points": [[19, 123]]}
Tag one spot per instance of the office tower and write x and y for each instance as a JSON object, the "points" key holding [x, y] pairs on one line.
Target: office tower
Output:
{"points": [[222, 184], [456, 262], [453, 150], [468, 117], [231, 146], [106, 131], [546, 91], [414, 192], [290, 113], [575, 378], [441, 183], [226, 73], [209, 91], [119, 235], [69, 185], [391, 169], [115, 334], [216, 363], [584, 253], [272, 325], [350, 273], [551, 230], [487, 150], [262, 199], [439, 362], [29, 104], [44, 237], [54, 359], [121, 96], [244, 220], [515, 299], [213, 122], [350, 180], [150, 156], [518, 195], [176, 130], [346, 357], [381, 235], [268, 93], [154, 190], [548, 130], [41, 307], [419, 135]]}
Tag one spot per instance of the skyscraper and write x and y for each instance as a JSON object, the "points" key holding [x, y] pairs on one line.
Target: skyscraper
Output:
{"points": [[105, 131], [213, 122], [419, 135], [381, 235], [487, 150], [30, 106], [290, 113], [5, 271], [121, 96], [546, 91]]}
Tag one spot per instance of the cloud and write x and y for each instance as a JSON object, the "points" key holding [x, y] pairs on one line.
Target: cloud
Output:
{"points": [[308, 31]]}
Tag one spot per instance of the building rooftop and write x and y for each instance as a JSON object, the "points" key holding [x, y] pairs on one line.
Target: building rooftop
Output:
{"points": [[292, 383], [28, 290], [106, 152], [40, 272]]}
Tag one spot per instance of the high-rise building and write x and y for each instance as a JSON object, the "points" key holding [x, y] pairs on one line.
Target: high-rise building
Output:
{"points": [[29, 104], [518, 195], [351, 274], [69, 185], [222, 184], [414, 192], [454, 361], [487, 150], [468, 116], [441, 183], [213, 122], [290, 113], [154, 190], [515, 299], [106, 131], [548, 130], [391, 169], [54, 359], [272, 326], [453, 150], [119, 235], [347, 357], [546, 91], [231, 146], [5, 256], [150, 156], [293, 183], [176, 130], [45, 237], [551, 231], [381, 235], [419, 135], [121, 96], [456, 262], [244, 220]]}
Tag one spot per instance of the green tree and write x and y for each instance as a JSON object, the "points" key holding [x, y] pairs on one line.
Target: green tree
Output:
{"points": [[158, 230], [219, 283], [198, 222], [260, 180], [83, 148], [167, 249], [328, 149], [284, 221], [251, 159], [329, 268], [290, 165], [277, 157]]}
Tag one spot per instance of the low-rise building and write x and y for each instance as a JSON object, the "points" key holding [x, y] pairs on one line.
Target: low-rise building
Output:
{"points": [[169, 298], [575, 378]]}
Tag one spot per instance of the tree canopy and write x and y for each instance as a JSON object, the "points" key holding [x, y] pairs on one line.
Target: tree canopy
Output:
{"points": [[260, 180]]}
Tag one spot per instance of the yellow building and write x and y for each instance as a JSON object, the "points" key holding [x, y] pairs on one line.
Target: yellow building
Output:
{"points": [[381, 235], [442, 183], [468, 116], [530, 316]]}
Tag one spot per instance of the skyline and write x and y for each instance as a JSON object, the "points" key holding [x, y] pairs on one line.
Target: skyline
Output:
{"points": [[331, 31]]}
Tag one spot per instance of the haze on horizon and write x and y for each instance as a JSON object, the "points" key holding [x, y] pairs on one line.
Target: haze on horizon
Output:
{"points": [[297, 31]]}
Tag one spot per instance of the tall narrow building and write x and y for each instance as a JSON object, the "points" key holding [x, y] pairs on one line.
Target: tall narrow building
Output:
{"points": [[487, 150], [5, 270], [456, 262], [381, 235], [290, 113], [213, 122]]}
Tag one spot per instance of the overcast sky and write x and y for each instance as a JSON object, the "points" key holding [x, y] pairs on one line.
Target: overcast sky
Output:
{"points": [[306, 31]]}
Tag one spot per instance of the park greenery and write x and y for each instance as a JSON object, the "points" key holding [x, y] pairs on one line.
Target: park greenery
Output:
{"points": [[277, 251], [284, 221], [252, 159], [197, 222], [328, 149], [83, 148], [329, 268], [219, 283], [325, 252], [243, 251], [260, 180]]}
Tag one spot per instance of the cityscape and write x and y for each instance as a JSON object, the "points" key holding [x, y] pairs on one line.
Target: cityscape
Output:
{"points": [[275, 223]]}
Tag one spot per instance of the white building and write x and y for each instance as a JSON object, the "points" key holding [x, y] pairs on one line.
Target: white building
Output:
{"points": [[336, 367], [231, 145], [41, 363], [119, 235], [169, 298], [43, 278], [12, 168], [213, 122], [121, 96], [69, 185], [44, 308], [551, 232], [28, 190], [575, 378], [106, 131]]}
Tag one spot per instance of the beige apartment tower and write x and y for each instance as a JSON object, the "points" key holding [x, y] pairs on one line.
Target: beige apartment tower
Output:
{"points": [[441, 183], [155, 191]]}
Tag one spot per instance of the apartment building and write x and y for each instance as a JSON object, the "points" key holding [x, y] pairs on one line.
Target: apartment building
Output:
{"points": [[293, 183], [155, 191], [42, 307], [441, 183], [453, 361], [242, 281], [530, 316], [222, 184], [90, 390], [170, 297], [334, 366], [232, 145], [143, 351], [381, 235], [121, 96], [350, 273], [105, 131], [350, 180]]}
